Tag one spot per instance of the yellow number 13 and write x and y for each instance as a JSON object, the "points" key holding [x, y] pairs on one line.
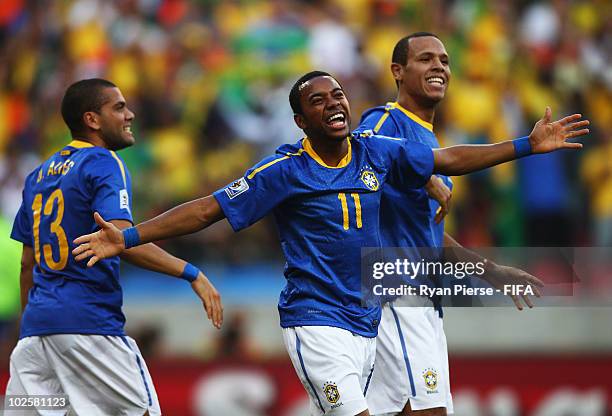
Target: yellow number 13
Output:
{"points": [[345, 213], [56, 228]]}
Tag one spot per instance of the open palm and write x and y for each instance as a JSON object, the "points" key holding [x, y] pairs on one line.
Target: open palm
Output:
{"points": [[107, 242], [547, 136]]}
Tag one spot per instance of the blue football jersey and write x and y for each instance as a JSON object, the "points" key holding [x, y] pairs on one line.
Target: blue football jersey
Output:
{"points": [[407, 218], [59, 199], [324, 216]]}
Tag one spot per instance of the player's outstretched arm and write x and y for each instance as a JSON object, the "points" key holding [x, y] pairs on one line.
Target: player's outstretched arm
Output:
{"points": [[184, 219], [496, 275], [151, 257], [545, 137]]}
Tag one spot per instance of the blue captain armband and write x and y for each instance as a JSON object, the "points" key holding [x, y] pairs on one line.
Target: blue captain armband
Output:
{"points": [[522, 147], [130, 237], [190, 273]]}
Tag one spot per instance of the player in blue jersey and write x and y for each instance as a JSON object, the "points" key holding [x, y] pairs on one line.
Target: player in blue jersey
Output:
{"points": [[324, 193], [412, 376], [72, 338]]}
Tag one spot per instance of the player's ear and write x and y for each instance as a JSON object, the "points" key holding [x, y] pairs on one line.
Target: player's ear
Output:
{"points": [[299, 121], [91, 120], [398, 71]]}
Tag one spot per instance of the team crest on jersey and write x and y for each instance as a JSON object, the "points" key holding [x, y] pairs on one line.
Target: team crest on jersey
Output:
{"points": [[331, 392], [370, 180], [431, 380], [236, 188]]}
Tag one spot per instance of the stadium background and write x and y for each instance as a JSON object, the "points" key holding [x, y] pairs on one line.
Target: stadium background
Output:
{"points": [[209, 80]]}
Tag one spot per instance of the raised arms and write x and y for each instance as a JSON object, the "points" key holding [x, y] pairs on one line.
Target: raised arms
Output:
{"points": [[545, 137]]}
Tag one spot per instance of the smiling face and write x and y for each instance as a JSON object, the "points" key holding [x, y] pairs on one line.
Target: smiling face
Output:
{"points": [[325, 109], [114, 121], [426, 74]]}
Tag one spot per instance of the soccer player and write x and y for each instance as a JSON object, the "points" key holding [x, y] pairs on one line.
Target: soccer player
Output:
{"points": [[411, 375], [72, 338], [324, 192]]}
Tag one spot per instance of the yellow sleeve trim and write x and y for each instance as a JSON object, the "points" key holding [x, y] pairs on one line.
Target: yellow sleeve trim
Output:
{"points": [[381, 122], [413, 117], [120, 167], [311, 152]]}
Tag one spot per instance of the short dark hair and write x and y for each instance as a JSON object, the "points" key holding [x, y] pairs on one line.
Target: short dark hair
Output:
{"points": [[294, 95], [81, 97], [400, 51]]}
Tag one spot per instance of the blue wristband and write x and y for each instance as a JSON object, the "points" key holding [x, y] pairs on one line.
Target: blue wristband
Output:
{"points": [[522, 147], [131, 237], [190, 273]]}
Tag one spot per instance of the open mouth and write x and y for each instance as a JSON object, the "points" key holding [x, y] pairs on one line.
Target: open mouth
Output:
{"points": [[336, 121], [435, 80], [127, 129]]}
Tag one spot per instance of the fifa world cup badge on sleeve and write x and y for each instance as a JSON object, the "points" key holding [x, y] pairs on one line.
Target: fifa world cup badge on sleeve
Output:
{"points": [[236, 188], [124, 199]]}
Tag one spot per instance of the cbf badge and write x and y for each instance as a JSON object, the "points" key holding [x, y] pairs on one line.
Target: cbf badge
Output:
{"points": [[331, 392], [431, 380], [370, 180]]}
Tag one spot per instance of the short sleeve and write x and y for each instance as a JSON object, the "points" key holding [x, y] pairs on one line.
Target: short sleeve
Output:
{"points": [[411, 163], [111, 188], [377, 121], [22, 226], [250, 198]]}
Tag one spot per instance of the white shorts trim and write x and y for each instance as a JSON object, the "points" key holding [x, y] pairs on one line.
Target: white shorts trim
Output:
{"points": [[334, 367], [411, 362], [101, 375]]}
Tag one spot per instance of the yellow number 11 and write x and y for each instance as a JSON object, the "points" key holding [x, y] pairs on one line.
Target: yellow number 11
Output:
{"points": [[345, 214], [56, 228]]}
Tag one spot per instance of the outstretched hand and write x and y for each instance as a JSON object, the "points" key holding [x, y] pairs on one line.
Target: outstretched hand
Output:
{"points": [[211, 299], [107, 242], [499, 276], [548, 136]]}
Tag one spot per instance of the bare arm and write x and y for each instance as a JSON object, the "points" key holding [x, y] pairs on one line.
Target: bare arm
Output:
{"points": [[184, 219], [26, 276], [545, 137], [495, 274], [462, 159], [151, 257]]}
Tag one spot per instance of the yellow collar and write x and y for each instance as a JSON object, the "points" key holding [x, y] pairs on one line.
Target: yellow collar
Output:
{"points": [[413, 116], [79, 144], [311, 152]]}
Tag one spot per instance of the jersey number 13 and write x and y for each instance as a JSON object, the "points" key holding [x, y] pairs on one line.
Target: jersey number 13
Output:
{"points": [[56, 228]]}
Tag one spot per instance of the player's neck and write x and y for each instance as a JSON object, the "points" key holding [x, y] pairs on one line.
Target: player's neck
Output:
{"points": [[92, 139], [425, 113], [331, 152]]}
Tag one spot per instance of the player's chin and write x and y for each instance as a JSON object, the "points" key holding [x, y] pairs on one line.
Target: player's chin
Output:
{"points": [[338, 134], [128, 139], [436, 96]]}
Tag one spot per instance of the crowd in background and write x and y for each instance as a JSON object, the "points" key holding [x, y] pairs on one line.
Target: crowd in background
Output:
{"points": [[209, 80]]}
